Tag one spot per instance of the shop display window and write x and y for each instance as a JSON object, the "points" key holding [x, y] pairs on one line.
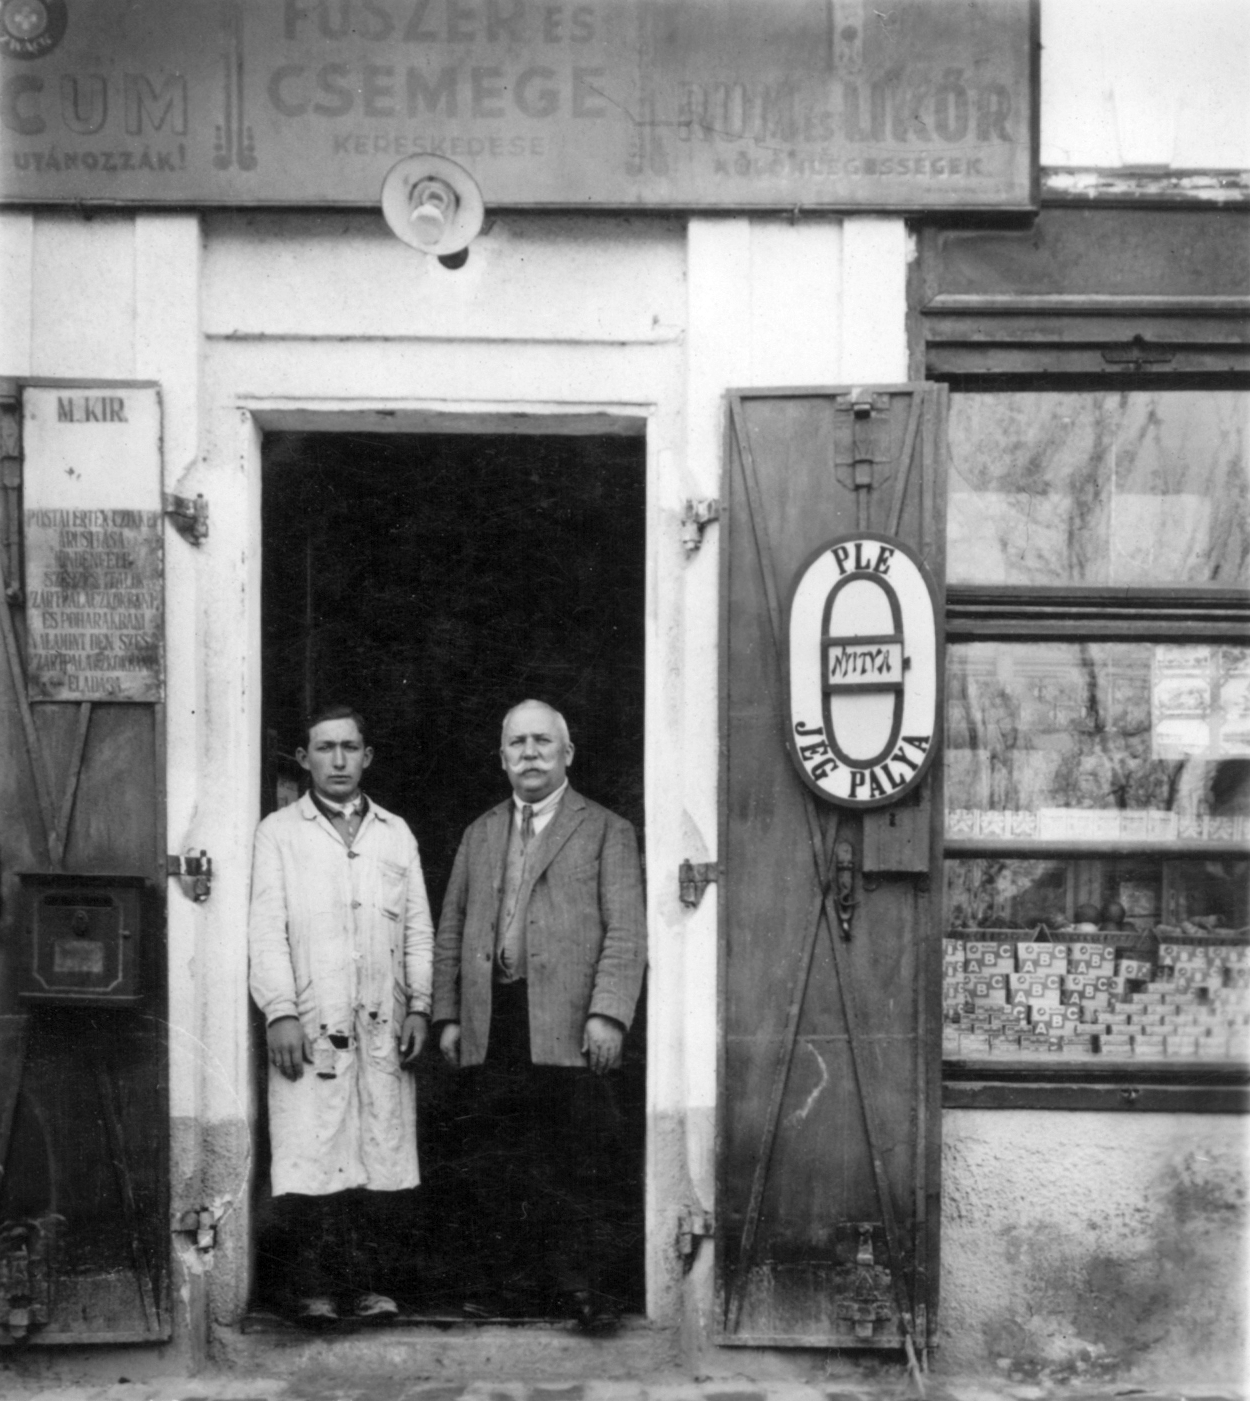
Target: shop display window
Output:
{"points": [[1097, 760], [1081, 958], [1133, 487], [1129, 743]]}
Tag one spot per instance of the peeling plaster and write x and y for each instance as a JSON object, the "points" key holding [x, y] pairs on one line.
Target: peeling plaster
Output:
{"points": [[1212, 187], [1091, 1245]]}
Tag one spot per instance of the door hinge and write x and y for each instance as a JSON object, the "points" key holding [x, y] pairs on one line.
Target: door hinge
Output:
{"points": [[869, 1302], [693, 1225], [693, 878], [194, 872], [200, 1223], [189, 516], [26, 1275], [695, 517]]}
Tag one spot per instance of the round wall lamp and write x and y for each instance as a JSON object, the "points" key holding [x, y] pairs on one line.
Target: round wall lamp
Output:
{"points": [[434, 205]]}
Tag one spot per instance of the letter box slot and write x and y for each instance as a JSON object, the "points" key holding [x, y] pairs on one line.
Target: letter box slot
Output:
{"points": [[81, 938]]}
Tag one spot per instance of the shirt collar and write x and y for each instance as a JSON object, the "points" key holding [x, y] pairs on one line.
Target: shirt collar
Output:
{"points": [[547, 803], [358, 806]]}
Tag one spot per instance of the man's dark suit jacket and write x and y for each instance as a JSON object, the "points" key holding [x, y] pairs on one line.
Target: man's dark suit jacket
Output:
{"points": [[585, 929]]}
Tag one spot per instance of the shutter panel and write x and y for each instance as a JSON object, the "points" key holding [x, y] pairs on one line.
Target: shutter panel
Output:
{"points": [[84, 1195], [828, 1143]]}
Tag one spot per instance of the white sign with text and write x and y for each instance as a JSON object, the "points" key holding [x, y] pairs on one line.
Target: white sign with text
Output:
{"points": [[862, 636]]}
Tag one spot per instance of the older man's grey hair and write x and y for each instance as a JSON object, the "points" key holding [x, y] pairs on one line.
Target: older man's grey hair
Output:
{"points": [[562, 728]]}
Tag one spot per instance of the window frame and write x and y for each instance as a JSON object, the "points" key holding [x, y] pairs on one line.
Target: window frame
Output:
{"points": [[1041, 333]]}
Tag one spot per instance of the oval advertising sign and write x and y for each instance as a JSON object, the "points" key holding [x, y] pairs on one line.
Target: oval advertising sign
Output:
{"points": [[862, 637]]}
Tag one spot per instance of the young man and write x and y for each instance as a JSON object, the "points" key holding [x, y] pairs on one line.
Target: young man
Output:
{"points": [[341, 942], [539, 961]]}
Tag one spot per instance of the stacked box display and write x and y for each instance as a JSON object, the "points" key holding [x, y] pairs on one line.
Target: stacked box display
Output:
{"points": [[952, 977], [1036, 997]]}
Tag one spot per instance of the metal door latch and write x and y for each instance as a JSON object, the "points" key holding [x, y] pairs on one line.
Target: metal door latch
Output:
{"points": [[693, 879], [189, 516], [844, 865], [1137, 354], [694, 518], [693, 1225], [194, 872]]}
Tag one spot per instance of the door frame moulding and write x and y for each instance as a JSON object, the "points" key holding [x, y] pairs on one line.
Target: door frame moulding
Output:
{"points": [[254, 417], [486, 418]]}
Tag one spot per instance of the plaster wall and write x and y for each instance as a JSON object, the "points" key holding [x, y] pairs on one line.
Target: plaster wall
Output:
{"points": [[1145, 83], [1094, 1246]]}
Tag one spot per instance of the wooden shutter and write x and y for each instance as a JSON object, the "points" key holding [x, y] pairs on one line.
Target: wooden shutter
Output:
{"points": [[84, 1165], [828, 1125]]}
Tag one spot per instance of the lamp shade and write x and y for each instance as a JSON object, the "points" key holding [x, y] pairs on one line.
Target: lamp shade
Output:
{"points": [[433, 204]]}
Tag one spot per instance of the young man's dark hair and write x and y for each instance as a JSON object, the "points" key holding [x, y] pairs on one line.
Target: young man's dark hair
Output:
{"points": [[336, 712]]}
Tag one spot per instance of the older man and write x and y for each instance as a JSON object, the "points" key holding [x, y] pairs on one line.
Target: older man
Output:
{"points": [[538, 964], [341, 942]]}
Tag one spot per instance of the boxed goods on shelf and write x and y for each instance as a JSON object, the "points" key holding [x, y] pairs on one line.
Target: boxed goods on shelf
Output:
{"points": [[1131, 993]]}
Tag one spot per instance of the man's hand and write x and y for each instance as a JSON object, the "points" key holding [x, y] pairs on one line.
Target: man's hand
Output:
{"points": [[449, 1044], [602, 1044], [412, 1036], [289, 1048]]}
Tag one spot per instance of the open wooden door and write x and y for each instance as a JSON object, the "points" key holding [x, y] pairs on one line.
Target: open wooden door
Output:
{"points": [[828, 1127], [84, 1214]]}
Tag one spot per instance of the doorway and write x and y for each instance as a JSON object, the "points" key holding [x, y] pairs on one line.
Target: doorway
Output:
{"points": [[430, 581]]}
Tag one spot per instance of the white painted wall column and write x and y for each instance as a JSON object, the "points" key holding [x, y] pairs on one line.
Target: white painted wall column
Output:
{"points": [[226, 805], [873, 330], [17, 241], [168, 349]]}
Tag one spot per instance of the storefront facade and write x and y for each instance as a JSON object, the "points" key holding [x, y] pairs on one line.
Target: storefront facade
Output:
{"points": [[1079, 1213]]}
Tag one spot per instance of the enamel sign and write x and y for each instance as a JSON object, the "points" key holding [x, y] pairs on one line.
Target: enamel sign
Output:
{"points": [[94, 533], [862, 637], [619, 104]]}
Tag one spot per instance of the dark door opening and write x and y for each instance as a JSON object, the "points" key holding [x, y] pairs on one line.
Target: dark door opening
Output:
{"points": [[431, 581]]}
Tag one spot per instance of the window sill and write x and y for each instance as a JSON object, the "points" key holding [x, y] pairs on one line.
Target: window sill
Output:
{"points": [[1168, 1087]]}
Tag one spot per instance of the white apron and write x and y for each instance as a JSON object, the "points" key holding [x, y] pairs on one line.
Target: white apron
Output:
{"points": [[342, 939]]}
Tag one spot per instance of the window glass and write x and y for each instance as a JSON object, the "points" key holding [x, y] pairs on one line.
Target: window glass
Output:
{"points": [[1116, 958], [1135, 487], [1078, 742]]}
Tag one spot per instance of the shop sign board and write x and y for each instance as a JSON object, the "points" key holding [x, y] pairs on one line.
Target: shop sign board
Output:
{"points": [[861, 631], [791, 104], [93, 541]]}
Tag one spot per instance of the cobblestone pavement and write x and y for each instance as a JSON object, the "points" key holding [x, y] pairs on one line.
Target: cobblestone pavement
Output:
{"points": [[328, 1387]]}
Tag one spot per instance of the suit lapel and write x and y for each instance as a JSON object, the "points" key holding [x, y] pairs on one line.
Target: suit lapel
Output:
{"points": [[569, 817], [497, 841]]}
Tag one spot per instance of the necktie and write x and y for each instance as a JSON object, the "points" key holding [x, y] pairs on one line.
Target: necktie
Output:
{"points": [[527, 824]]}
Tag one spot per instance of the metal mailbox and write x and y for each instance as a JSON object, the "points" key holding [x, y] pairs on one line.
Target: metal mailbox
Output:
{"points": [[81, 938]]}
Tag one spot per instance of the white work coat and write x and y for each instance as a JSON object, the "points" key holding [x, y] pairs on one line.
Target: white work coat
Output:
{"points": [[341, 937]]}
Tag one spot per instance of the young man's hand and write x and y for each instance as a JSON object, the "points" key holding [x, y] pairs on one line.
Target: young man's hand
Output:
{"points": [[412, 1036], [289, 1048]]}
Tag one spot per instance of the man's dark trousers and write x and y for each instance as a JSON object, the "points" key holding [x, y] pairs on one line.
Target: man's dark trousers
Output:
{"points": [[546, 1142]]}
